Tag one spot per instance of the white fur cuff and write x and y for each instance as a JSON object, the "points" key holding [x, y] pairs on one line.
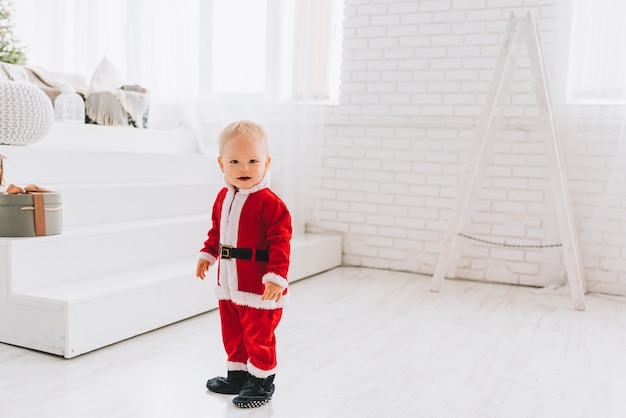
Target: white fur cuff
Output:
{"points": [[234, 366], [207, 257], [260, 373], [276, 279]]}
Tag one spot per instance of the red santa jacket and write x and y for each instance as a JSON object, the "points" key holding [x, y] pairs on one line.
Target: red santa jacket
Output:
{"points": [[254, 218]]}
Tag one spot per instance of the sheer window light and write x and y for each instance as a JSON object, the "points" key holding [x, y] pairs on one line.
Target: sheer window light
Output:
{"points": [[194, 49], [597, 66], [238, 46]]}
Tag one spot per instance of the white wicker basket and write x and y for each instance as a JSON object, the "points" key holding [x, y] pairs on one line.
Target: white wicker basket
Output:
{"points": [[26, 113]]}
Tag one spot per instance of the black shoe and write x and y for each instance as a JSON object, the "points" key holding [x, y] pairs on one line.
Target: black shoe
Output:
{"points": [[231, 385], [256, 392]]}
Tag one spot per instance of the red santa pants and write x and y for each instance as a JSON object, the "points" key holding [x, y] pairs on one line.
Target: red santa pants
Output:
{"points": [[248, 335]]}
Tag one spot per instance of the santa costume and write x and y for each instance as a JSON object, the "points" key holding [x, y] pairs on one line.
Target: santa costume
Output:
{"points": [[250, 236]]}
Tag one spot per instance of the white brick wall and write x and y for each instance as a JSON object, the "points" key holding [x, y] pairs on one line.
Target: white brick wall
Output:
{"points": [[415, 78], [385, 170]]}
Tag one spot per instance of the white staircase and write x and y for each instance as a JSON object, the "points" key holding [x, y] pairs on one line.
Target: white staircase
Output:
{"points": [[136, 209]]}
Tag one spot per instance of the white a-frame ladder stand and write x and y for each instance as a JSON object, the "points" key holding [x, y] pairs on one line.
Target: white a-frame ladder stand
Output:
{"points": [[517, 31]]}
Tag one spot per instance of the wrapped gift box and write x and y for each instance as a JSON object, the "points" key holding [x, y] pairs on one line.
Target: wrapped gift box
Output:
{"points": [[30, 214]]}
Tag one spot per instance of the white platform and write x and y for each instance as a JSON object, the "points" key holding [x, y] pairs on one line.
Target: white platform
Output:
{"points": [[135, 210]]}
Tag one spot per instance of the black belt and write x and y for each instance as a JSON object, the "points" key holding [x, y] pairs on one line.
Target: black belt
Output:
{"points": [[227, 252]]}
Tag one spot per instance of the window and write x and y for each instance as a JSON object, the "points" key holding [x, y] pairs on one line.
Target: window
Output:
{"points": [[194, 49], [597, 64], [280, 49], [239, 46], [151, 43]]}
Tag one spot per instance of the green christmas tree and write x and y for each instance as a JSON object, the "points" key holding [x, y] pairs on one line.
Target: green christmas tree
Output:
{"points": [[10, 50]]}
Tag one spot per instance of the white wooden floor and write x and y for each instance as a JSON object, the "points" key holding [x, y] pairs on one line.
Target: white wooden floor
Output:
{"points": [[358, 343]]}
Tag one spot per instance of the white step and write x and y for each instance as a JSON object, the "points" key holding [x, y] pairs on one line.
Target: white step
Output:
{"points": [[136, 210], [103, 249], [106, 203], [68, 136], [78, 316], [73, 318], [26, 165]]}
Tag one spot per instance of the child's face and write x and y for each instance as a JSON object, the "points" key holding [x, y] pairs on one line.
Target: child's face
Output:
{"points": [[244, 161]]}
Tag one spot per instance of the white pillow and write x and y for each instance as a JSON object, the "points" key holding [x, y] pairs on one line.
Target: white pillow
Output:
{"points": [[106, 77]]}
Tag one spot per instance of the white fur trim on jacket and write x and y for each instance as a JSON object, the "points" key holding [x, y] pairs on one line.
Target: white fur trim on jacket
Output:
{"points": [[276, 279], [229, 231], [207, 257], [251, 300]]}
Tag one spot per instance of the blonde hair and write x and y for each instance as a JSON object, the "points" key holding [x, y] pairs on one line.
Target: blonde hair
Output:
{"points": [[241, 128]]}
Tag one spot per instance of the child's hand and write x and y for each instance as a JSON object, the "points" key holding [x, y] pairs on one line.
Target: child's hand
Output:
{"points": [[202, 268], [272, 292]]}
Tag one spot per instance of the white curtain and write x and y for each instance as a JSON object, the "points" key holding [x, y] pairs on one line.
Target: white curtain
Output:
{"points": [[166, 47], [597, 63], [150, 43], [591, 119], [311, 59]]}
